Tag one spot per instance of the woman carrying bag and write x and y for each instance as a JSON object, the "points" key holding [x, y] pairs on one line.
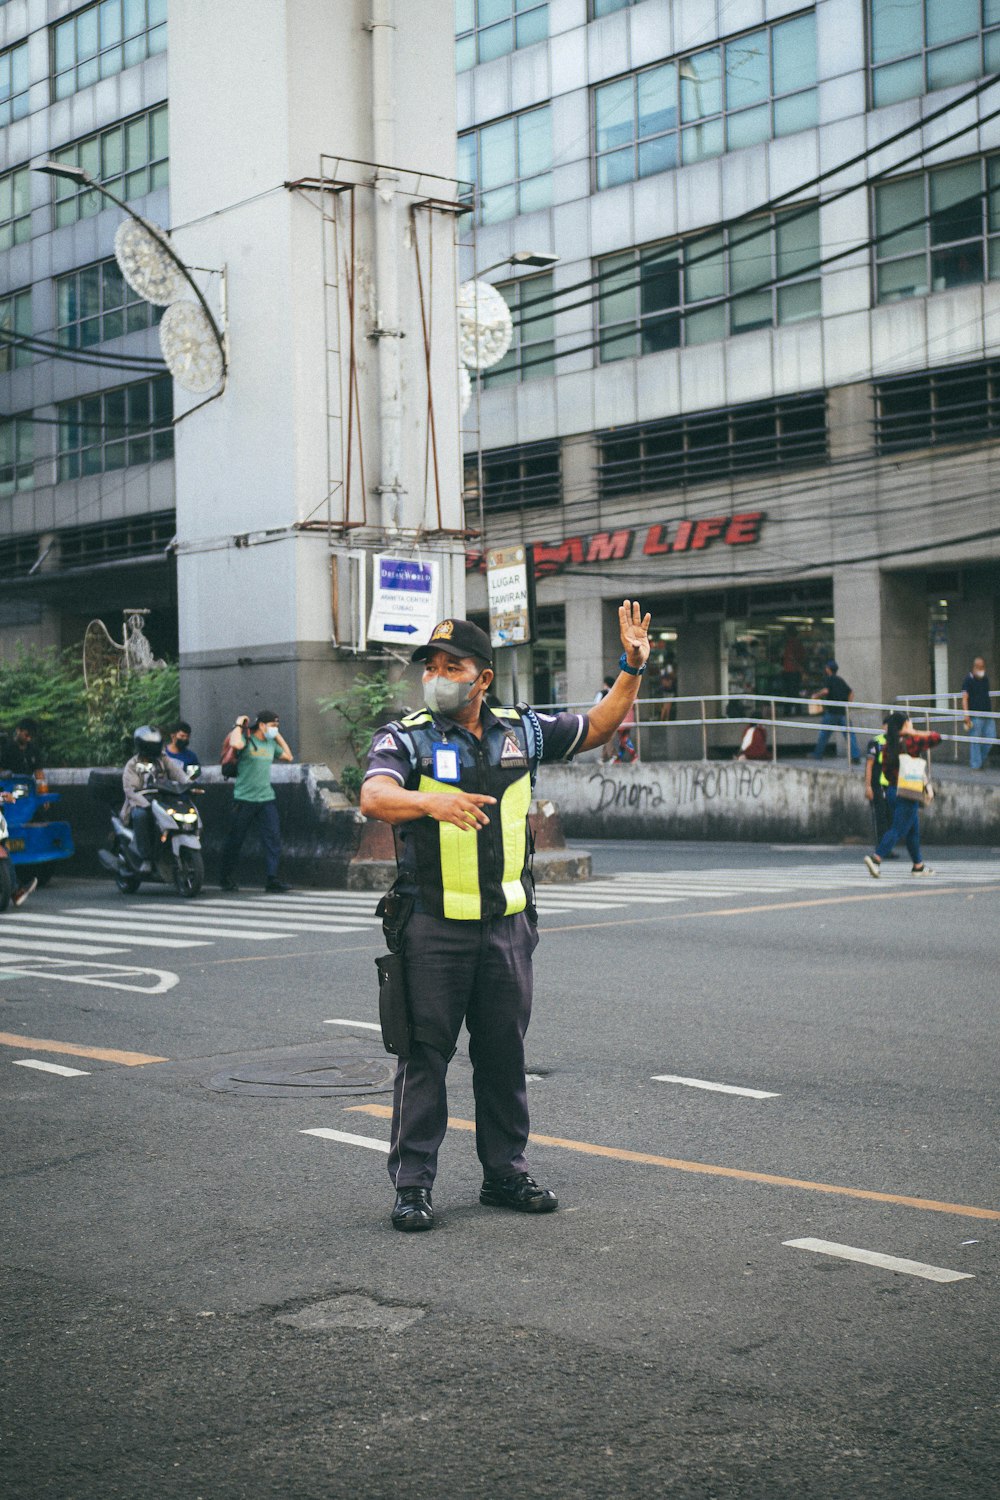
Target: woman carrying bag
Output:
{"points": [[906, 783]]}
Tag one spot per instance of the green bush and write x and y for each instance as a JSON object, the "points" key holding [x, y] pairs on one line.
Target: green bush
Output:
{"points": [[367, 703], [77, 726]]}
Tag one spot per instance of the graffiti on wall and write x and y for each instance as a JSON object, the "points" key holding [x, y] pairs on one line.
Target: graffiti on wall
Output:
{"points": [[676, 786]]}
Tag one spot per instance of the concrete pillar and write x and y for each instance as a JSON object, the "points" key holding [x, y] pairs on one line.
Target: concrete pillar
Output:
{"points": [[263, 616], [585, 654], [880, 633], [698, 671]]}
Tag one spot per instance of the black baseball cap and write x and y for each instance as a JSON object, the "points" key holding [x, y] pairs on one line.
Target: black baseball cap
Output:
{"points": [[458, 638]]}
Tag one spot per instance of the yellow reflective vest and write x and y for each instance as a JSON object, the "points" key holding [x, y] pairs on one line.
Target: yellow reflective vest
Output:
{"points": [[464, 874]]}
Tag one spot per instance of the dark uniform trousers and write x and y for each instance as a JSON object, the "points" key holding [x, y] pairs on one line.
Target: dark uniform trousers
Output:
{"points": [[479, 972]]}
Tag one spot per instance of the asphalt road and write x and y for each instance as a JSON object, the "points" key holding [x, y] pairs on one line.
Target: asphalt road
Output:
{"points": [[200, 1298]]}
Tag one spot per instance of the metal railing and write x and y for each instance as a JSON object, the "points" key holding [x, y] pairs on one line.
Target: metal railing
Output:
{"points": [[906, 699], [653, 734]]}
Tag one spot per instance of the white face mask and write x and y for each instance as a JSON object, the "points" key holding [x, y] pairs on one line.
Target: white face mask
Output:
{"points": [[271, 732], [978, 672], [443, 695]]}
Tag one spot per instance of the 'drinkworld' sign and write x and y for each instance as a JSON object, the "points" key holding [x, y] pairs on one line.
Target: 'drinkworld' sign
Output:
{"points": [[404, 599]]}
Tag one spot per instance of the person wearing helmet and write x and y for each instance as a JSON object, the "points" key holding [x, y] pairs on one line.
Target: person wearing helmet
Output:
{"points": [[147, 765]]}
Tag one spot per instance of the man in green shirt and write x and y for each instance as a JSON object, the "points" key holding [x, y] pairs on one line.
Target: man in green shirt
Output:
{"points": [[257, 748]]}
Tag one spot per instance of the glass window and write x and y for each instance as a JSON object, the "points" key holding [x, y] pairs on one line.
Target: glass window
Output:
{"points": [[937, 230], [116, 428], [605, 7], [89, 45], [13, 84], [701, 85], [15, 323], [485, 29], [533, 345], [748, 78], [754, 87], [95, 303], [758, 274], [510, 162], [130, 159], [15, 208], [794, 54], [17, 454], [921, 45]]}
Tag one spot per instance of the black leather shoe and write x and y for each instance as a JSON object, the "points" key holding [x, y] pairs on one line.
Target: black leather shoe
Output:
{"points": [[228, 885], [519, 1192], [413, 1209], [277, 886]]}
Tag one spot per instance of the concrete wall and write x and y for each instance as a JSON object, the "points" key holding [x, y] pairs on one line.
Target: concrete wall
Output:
{"points": [[743, 801]]}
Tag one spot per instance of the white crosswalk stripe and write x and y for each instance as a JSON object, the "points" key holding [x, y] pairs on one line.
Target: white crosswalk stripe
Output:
{"points": [[255, 918], [17, 946], [219, 924], [109, 930]]}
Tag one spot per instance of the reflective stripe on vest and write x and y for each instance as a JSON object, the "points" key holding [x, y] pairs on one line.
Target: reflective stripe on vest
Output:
{"points": [[462, 901]]}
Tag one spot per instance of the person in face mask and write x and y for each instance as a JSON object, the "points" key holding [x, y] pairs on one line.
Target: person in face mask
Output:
{"points": [[976, 706], [178, 747], [254, 803], [456, 779]]}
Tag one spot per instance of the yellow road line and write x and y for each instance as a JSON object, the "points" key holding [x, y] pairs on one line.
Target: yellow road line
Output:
{"points": [[587, 1148], [103, 1054], [746, 911]]}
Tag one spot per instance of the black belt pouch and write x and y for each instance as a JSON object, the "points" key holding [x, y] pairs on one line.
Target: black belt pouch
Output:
{"points": [[393, 1012]]}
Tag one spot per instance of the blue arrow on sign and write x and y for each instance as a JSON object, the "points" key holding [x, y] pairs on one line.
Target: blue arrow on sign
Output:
{"points": [[402, 629]]}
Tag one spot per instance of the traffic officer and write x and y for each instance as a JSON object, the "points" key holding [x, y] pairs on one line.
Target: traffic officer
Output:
{"points": [[456, 778]]}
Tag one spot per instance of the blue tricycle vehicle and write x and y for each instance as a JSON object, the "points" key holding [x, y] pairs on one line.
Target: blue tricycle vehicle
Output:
{"points": [[34, 846]]}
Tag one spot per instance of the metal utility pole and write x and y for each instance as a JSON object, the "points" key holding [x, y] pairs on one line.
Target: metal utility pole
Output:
{"points": [[387, 249]]}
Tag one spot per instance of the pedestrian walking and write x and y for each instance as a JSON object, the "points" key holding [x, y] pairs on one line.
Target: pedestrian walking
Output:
{"points": [[874, 790], [976, 705], [19, 893], [901, 739], [456, 779], [257, 747], [837, 695]]}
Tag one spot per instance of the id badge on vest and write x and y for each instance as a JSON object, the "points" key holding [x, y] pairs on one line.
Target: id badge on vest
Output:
{"points": [[447, 765]]}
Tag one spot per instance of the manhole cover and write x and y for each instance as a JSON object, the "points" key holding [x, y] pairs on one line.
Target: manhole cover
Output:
{"points": [[326, 1075], [352, 1310]]}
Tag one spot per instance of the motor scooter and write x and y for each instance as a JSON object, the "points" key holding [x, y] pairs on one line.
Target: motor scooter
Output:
{"points": [[177, 858]]}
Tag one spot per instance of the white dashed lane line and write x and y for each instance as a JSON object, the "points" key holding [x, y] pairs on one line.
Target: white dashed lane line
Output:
{"points": [[367, 1025], [715, 1088], [47, 1067], [883, 1262], [346, 1139]]}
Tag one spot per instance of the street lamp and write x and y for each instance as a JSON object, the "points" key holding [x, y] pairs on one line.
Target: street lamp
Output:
{"points": [[83, 179], [539, 259]]}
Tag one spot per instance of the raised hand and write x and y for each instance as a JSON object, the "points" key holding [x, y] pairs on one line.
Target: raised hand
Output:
{"points": [[634, 627]]}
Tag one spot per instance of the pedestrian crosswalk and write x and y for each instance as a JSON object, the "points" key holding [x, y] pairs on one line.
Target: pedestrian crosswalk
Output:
{"points": [[80, 929]]}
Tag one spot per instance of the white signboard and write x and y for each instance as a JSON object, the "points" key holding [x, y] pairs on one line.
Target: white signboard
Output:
{"points": [[404, 600], [508, 587]]}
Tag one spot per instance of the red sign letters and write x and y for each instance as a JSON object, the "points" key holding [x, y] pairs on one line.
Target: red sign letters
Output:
{"points": [[666, 537]]}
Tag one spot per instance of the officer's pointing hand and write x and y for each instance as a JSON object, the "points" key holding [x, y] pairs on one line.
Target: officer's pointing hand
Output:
{"points": [[464, 809]]}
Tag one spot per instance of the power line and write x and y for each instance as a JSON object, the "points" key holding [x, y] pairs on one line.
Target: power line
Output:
{"points": [[829, 172], [723, 301], [45, 349]]}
